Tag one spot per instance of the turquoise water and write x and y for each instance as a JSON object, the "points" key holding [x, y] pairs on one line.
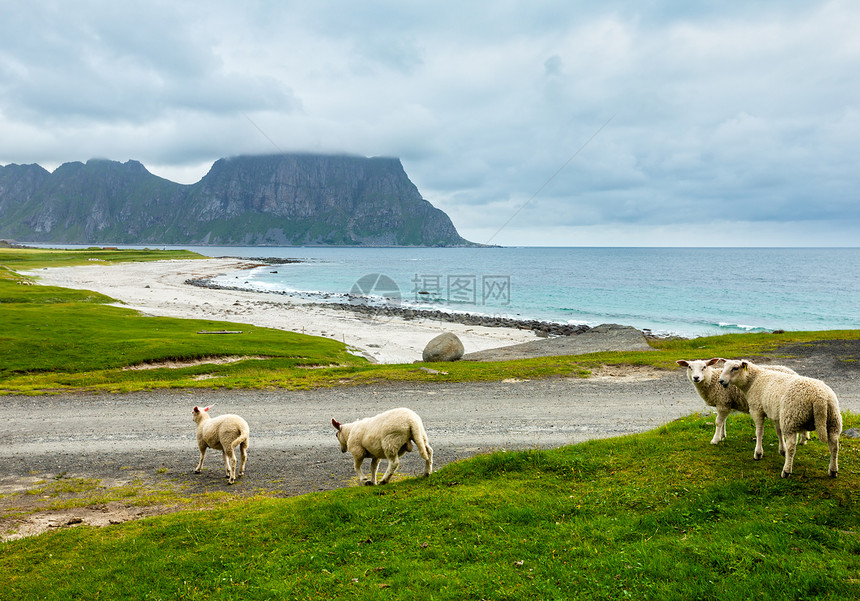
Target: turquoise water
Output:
{"points": [[685, 291]]}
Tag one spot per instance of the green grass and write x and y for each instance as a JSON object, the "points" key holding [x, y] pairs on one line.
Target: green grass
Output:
{"points": [[660, 515], [55, 338], [86, 345], [24, 259]]}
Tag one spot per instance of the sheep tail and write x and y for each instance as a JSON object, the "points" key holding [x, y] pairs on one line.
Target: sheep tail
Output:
{"points": [[420, 438], [827, 419], [243, 437]]}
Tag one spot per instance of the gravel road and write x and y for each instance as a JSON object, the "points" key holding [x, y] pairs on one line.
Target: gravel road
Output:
{"points": [[293, 447]]}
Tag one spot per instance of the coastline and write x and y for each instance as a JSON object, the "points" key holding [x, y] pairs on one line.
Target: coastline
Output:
{"points": [[365, 309], [160, 288]]}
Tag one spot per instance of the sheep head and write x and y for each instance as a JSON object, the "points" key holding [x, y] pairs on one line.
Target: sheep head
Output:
{"points": [[342, 435], [696, 369], [732, 372], [197, 413]]}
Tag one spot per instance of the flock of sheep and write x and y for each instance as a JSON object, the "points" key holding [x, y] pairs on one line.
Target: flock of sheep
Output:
{"points": [[794, 403]]}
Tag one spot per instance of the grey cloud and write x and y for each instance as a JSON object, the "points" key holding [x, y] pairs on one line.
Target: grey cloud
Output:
{"points": [[117, 62], [747, 110]]}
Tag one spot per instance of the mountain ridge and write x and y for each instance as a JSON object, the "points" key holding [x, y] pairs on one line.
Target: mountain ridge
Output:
{"points": [[262, 200]]}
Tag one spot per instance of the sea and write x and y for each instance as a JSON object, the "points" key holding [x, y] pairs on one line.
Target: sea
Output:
{"points": [[687, 292]]}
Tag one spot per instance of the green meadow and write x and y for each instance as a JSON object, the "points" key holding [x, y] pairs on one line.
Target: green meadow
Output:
{"points": [[658, 515]]}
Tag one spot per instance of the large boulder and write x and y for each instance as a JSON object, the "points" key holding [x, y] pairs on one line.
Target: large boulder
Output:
{"points": [[445, 347]]}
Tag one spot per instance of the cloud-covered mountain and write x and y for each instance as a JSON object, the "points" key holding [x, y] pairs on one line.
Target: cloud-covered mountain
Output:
{"points": [[281, 200]]}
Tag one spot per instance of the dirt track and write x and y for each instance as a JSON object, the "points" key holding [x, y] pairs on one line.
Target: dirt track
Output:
{"points": [[117, 438]]}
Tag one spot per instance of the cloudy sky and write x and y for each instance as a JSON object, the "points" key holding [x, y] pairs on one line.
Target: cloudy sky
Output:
{"points": [[568, 123]]}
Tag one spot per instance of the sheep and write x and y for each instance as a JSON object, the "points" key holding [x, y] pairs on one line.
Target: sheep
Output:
{"points": [[223, 433], [385, 436], [793, 403], [705, 378]]}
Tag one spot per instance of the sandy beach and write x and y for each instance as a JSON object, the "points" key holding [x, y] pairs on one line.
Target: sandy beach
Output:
{"points": [[158, 288]]}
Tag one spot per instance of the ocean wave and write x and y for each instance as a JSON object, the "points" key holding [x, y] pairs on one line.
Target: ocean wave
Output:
{"points": [[740, 326]]}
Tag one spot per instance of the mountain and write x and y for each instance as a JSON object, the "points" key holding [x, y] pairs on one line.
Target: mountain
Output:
{"points": [[275, 200], [18, 184]]}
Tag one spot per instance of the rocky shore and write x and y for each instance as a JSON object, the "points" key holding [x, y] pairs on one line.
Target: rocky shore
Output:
{"points": [[360, 305]]}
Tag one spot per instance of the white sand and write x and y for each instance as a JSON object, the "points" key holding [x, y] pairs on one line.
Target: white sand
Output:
{"points": [[159, 288]]}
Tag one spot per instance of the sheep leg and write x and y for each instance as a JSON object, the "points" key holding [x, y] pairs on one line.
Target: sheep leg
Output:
{"points": [[393, 464], [243, 452], [720, 429], [357, 461], [230, 464], [428, 460], [781, 438], [833, 444], [759, 434], [374, 470], [828, 426], [830, 433], [426, 452], [200, 463], [790, 448]]}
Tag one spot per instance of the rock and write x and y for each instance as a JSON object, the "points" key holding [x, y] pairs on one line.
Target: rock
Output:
{"points": [[599, 339], [445, 347], [851, 433], [433, 372]]}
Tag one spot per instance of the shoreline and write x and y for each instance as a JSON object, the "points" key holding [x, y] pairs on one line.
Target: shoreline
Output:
{"points": [[160, 288], [358, 304]]}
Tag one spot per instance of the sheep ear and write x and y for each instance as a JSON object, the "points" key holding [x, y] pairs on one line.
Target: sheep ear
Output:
{"points": [[744, 364], [335, 423], [196, 409], [207, 408], [683, 363], [712, 361]]}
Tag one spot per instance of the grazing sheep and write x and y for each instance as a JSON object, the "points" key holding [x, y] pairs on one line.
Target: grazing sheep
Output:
{"points": [[223, 433], [793, 403], [385, 436], [706, 380]]}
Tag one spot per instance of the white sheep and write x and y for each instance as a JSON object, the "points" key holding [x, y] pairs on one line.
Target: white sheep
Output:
{"points": [[385, 436], [793, 403], [223, 433], [706, 380]]}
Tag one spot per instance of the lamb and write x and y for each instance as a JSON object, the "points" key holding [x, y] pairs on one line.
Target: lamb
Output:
{"points": [[793, 403], [385, 436], [705, 378], [223, 433]]}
